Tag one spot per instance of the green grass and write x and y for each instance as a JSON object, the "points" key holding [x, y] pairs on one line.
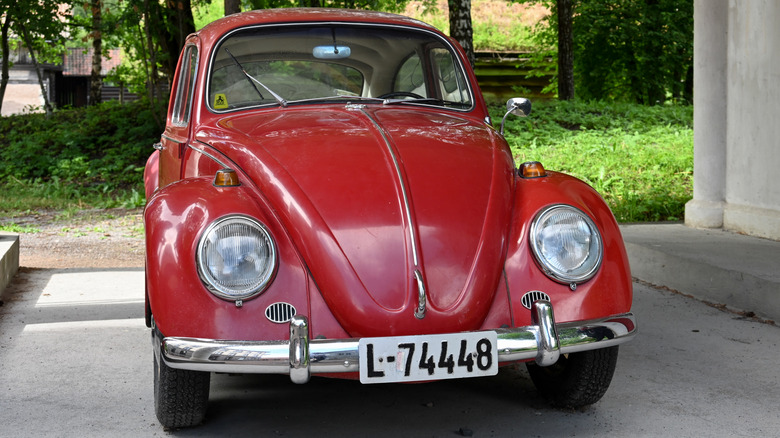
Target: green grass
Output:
{"points": [[18, 229], [639, 158], [78, 158], [24, 196], [489, 35]]}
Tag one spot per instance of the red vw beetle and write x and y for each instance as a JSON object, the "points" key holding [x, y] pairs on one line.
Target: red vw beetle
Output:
{"points": [[330, 198]]}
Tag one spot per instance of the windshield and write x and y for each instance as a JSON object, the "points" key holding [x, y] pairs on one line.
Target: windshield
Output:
{"points": [[326, 62]]}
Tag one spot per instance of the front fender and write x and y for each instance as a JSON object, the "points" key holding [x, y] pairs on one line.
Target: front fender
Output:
{"points": [[609, 292], [151, 173], [175, 218]]}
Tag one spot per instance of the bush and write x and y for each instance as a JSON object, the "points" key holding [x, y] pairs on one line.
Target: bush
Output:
{"points": [[93, 146], [640, 158], [96, 152]]}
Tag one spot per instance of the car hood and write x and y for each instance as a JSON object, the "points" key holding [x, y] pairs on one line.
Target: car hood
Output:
{"points": [[381, 201]]}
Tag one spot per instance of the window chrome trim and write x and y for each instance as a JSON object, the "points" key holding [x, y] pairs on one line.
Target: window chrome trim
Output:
{"points": [[187, 105], [435, 35]]}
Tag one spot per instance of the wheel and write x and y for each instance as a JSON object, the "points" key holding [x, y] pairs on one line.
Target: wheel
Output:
{"points": [[401, 94], [577, 379], [180, 396]]}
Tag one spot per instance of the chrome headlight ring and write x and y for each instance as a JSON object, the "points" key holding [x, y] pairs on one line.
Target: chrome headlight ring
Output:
{"points": [[567, 244], [236, 258]]}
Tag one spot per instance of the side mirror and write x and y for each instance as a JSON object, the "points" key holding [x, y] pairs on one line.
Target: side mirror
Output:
{"points": [[518, 106]]}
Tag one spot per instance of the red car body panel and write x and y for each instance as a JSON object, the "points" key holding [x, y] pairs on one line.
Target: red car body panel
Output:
{"points": [[330, 183]]}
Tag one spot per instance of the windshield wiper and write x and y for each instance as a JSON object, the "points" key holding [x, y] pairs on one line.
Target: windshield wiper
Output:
{"points": [[337, 99], [254, 81], [424, 100]]}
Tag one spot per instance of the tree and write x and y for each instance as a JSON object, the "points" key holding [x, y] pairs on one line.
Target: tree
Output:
{"points": [[460, 26], [635, 50], [5, 52], [232, 7], [96, 80], [35, 22], [29, 43], [565, 50], [638, 50], [177, 14]]}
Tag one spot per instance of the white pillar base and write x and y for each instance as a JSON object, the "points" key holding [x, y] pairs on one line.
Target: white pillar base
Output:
{"points": [[704, 214]]}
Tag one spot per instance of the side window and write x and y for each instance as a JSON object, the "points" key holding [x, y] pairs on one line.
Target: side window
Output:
{"points": [[449, 79], [185, 87], [411, 77]]}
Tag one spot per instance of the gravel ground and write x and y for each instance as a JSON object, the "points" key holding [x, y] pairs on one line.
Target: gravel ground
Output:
{"points": [[86, 239]]}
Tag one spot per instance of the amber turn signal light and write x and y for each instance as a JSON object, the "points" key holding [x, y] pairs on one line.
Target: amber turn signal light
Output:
{"points": [[226, 178], [532, 169]]}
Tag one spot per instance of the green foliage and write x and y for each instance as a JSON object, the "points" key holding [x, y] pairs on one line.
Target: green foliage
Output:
{"points": [[632, 50], [204, 13], [639, 158], [490, 36], [35, 19], [95, 154], [18, 229]]}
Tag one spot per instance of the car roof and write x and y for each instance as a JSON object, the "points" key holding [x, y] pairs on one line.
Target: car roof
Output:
{"points": [[217, 28]]}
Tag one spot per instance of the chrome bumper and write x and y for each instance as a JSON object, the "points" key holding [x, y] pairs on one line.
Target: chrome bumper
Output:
{"points": [[300, 357]]}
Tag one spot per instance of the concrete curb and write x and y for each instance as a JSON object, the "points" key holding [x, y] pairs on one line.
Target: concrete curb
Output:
{"points": [[742, 272], [9, 260]]}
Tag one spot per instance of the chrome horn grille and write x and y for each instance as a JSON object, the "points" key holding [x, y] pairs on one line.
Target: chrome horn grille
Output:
{"points": [[531, 297], [280, 312]]}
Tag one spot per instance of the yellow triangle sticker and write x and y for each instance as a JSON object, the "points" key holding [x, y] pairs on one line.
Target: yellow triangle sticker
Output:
{"points": [[220, 101]]}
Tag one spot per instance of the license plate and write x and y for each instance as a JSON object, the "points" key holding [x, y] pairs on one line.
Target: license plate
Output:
{"points": [[428, 357]]}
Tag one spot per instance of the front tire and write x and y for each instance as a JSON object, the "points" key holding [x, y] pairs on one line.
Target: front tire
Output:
{"points": [[577, 379], [180, 396]]}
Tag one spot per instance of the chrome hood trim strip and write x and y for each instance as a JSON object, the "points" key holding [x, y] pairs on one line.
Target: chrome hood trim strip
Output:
{"points": [[403, 184], [217, 160]]}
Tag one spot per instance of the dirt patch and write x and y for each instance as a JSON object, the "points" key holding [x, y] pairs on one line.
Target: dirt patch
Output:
{"points": [[111, 238]]}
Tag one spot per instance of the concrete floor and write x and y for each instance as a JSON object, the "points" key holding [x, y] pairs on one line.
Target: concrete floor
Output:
{"points": [[76, 360]]}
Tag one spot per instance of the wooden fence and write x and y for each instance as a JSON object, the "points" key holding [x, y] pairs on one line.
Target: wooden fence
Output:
{"points": [[502, 75]]}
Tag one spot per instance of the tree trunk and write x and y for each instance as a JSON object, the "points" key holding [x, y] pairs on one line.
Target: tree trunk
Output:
{"points": [[6, 52], [96, 80], [179, 13], [28, 43], [460, 26], [150, 63], [565, 50], [232, 7]]}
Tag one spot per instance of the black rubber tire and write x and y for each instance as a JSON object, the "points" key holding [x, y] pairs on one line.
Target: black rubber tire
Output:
{"points": [[180, 396], [578, 380]]}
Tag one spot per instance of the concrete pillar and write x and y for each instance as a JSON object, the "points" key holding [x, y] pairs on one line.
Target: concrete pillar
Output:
{"points": [[710, 105], [752, 191], [9, 260]]}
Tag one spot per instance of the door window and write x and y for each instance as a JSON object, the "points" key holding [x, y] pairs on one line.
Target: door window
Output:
{"points": [[185, 87]]}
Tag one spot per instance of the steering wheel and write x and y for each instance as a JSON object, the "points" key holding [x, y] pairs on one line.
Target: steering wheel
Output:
{"points": [[401, 94]]}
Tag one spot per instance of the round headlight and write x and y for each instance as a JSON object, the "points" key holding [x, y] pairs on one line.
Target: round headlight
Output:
{"points": [[566, 243], [236, 257]]}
